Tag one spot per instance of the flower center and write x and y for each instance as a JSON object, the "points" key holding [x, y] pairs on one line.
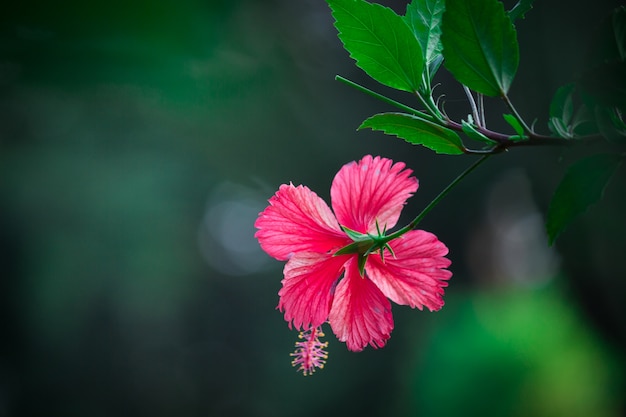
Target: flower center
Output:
{"points": [[365, 244]]}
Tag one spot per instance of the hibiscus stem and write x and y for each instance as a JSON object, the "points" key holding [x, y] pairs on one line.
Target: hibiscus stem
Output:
{"points": [[437, 199], [386, 99]]}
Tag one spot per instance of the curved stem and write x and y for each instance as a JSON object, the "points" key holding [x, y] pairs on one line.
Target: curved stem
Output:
{"points": [[502, 139], [386, 99], [517, 115], [430, 106], [429, 103], [490, 151], [481, 109], [437, 199], [475, 113]]}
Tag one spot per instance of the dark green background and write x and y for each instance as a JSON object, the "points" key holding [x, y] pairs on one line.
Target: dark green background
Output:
{"points": [[140, 139]]}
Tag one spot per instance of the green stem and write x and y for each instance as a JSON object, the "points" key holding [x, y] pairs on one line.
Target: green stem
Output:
{"points": [[428, 91], [386, 99], [503, 140], [481, 109], [470, 98], [430, 106], [517, 115], [437, 199]]}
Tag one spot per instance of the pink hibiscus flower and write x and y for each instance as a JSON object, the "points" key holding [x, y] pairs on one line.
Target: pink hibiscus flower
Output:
{"points": [[320, 248]]}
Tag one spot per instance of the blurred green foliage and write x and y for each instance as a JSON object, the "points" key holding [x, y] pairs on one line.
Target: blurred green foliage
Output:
{"points": [[515, 353]]}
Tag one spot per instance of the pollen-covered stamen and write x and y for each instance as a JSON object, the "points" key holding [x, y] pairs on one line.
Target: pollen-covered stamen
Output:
{"points": [[310, 353]]}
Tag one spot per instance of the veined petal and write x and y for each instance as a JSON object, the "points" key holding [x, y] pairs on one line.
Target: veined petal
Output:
{"points": [[308, 287], [298, 220], [373, 189], [360, 313], [415, 276]]}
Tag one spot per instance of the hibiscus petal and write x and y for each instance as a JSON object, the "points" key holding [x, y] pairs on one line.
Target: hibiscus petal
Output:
{"points": [[308, 287], [373, 189], [415, 276], [360, 313], [298, 220]]}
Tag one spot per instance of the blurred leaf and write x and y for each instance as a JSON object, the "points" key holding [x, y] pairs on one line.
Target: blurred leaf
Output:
{"points": [[558, 128], [418, 131], [470, 131], [581, 187], [480, 45], [516, 337], [561, 111], [424, 18], [584, 122], [515, 124], [380, 42], [611, 124], [520, 9], [562, 105]]}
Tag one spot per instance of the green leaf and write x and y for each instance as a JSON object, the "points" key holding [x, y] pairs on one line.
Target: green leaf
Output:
{"points": [[560, 129], [581, 187], [424, 19], [418, 131], [470, 131], [380, 42], [584, 122], [480, 45], [515, 124], [520, 9], [562, 105], [562, 111]]}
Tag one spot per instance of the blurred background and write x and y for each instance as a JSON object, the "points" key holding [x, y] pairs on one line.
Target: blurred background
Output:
{"points": [[139, 141]]}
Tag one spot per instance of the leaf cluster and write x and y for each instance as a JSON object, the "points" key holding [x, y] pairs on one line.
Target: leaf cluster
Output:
{"points": [[476, 41]]}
